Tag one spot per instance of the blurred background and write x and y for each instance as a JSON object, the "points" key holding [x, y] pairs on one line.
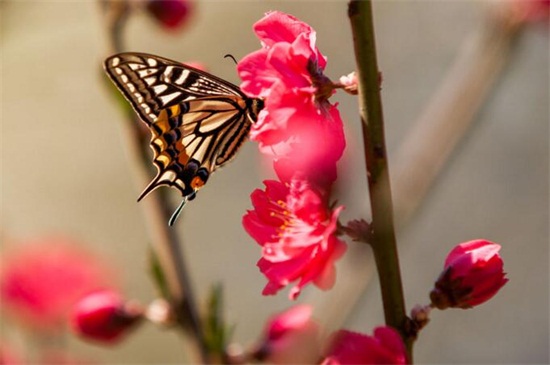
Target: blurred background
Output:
{"points": [[65, 169]]}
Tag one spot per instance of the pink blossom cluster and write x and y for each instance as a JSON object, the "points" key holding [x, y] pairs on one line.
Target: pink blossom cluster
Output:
{"points": [[298, 126], [293, 337], [473, 274], [303, 134]]}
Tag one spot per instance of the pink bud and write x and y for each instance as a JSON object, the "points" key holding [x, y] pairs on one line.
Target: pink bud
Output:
{"points": [[384, 347], [171, 14], [291, 337], [350, 83], [103, 316], [473, 274]]}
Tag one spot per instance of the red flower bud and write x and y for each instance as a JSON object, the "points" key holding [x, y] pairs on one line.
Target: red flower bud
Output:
{"points": [[103, 316], [473, 274], [171, 14]]}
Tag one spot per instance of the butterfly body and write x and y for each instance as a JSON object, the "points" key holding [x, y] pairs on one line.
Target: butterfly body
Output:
{"points": [[197, 121]]}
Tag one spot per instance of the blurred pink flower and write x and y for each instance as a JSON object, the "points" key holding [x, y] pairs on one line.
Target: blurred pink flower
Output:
{"points": [[473, 274], [297, 122], [290, 337], [171, 14], [312, 148], [350, 348], [8, 356], [41, 280], [529, 10], [297, 230], [104, 317]]}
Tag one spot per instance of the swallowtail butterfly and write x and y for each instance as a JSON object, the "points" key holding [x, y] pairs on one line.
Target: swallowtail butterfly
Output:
{"points": [[198, 121]]}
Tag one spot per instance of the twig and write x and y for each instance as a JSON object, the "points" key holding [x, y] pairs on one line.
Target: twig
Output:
{"points": [[383, 235], [156, 207]]}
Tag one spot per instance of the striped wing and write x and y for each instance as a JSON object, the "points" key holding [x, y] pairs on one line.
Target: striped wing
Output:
{"points": [[197, 121]]}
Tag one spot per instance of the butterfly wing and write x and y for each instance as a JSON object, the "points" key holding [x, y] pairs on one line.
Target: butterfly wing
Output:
{"points": [[198, 121]]}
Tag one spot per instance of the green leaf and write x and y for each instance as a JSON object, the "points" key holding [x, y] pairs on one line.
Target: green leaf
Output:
{"points": [[157, 274], [216, 332]]}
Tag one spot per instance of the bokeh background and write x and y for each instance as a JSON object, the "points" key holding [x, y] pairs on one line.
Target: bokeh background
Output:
{"points": [[65, 168]]}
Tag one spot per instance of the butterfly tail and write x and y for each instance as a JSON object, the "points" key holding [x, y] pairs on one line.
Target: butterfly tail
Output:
{"points": [[152, 186]]}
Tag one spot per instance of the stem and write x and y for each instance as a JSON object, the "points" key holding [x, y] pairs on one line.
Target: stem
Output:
{"points": [[452, 112], [383, 239], [166, 244], [157, 207]]}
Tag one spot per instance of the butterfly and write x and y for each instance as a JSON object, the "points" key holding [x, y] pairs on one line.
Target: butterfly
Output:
{"points": [[197, 121]]}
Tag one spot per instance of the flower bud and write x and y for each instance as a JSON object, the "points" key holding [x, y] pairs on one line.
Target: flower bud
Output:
{"points": [[160, 312], [350, 83], [104, 317], [171, 14], [472, 275], [420, 316]]}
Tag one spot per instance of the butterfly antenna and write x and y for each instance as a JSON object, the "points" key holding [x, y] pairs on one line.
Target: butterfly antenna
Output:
{"points": [[177, 212], [230, 56]]}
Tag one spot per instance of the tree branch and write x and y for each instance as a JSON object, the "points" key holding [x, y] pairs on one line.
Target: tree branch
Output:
{"points": [[370, 104]]}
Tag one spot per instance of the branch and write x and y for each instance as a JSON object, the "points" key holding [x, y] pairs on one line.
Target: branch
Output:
{"points": [[156, 207], [452, 112], [383, 235]]}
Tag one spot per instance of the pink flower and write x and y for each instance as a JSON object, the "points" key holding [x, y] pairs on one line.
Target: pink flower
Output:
{"points": [[291, 337], [473, 274], [103, 316], [8, 356], [297, 231], [312, 147], [171, 14], [40, 281], [385, 347], [297, 122], [528, 11]]}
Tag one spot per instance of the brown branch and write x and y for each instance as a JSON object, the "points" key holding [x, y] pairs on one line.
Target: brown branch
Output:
{"points": [[156, 207], [383, 240], [452, 111]]}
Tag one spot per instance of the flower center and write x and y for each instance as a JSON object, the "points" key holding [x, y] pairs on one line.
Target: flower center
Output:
{"points": [[324, 86]]}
